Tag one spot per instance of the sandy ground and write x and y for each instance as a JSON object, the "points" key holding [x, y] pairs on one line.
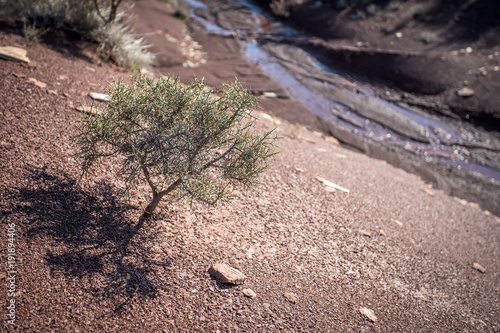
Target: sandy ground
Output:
{"points": [[86, 262]]}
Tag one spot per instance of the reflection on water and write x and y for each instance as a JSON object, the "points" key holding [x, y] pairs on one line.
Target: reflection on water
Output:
{"points": [[353, 107]]}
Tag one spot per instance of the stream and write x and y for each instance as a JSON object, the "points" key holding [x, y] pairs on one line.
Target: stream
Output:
{"points": [[449, 152]]}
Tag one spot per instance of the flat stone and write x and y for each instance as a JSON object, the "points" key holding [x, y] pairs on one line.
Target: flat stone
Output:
{"points": [[14, 54], [249, 293], [37, 83], [365, 232], [478, 267], [98, 96], [368, 313], [226, 274], [466, 92], [291, 297]]}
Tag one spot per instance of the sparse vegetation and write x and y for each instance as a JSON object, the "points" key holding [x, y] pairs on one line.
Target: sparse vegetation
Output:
{"points": [[181, 13], [280, 8], [97, 20], [182, 141], [32, 33]]}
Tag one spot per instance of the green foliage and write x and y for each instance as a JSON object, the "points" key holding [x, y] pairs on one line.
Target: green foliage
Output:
{"points": [[181, 13], [33, 34], [95, 20], [280, 8], [182, 141]]}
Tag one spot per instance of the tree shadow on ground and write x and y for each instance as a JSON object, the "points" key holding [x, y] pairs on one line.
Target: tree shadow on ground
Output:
{"points": [[91, 237]]}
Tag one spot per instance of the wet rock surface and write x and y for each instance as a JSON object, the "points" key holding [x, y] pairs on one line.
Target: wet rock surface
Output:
{"points": [[403, 108]]}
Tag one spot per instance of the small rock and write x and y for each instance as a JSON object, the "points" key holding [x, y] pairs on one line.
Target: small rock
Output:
{"points": [[53, 92], [331, 139], [299, 170], [62, 77], [482, 71], [368, 313], [478, 267], [495, 68], [310, 141], [99, 97], [14, 54], [365, 232], [399, 34], [466, 92], [398, 222], [487, 213], [382, 233], [65, 94], [90, 69], [428, 192], [291, 297], [270, 94], [468, 50], [19, 76], [249, 293], [37, 83], [227, 274], [87, 109]]}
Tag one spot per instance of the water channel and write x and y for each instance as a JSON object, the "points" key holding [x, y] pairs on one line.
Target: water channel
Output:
{"points": [[439, 149]]}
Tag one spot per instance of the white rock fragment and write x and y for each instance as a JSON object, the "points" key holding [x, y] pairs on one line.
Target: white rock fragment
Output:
{"points": [[364, 232], [466, 92], [98, 96], [368, 313], [478, 267], [269, 94], [330, 184]]}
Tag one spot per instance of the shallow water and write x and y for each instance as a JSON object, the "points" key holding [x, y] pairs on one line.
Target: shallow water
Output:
{"points": [[352, 108]]}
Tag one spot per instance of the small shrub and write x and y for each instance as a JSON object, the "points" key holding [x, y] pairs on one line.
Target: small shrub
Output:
{"points": [[181, 13], [280, 8], [181, 141], [97, 20], [32, 33]]}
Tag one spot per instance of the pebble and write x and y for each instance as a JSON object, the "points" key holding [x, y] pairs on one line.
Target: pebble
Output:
{"points": [[368, 313], [478, 267], [466, 92], [227, 274], [364, 232], [291, 297], [249, 293], [399, 34], [468, 50], [428, 192], [270, 94]]}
